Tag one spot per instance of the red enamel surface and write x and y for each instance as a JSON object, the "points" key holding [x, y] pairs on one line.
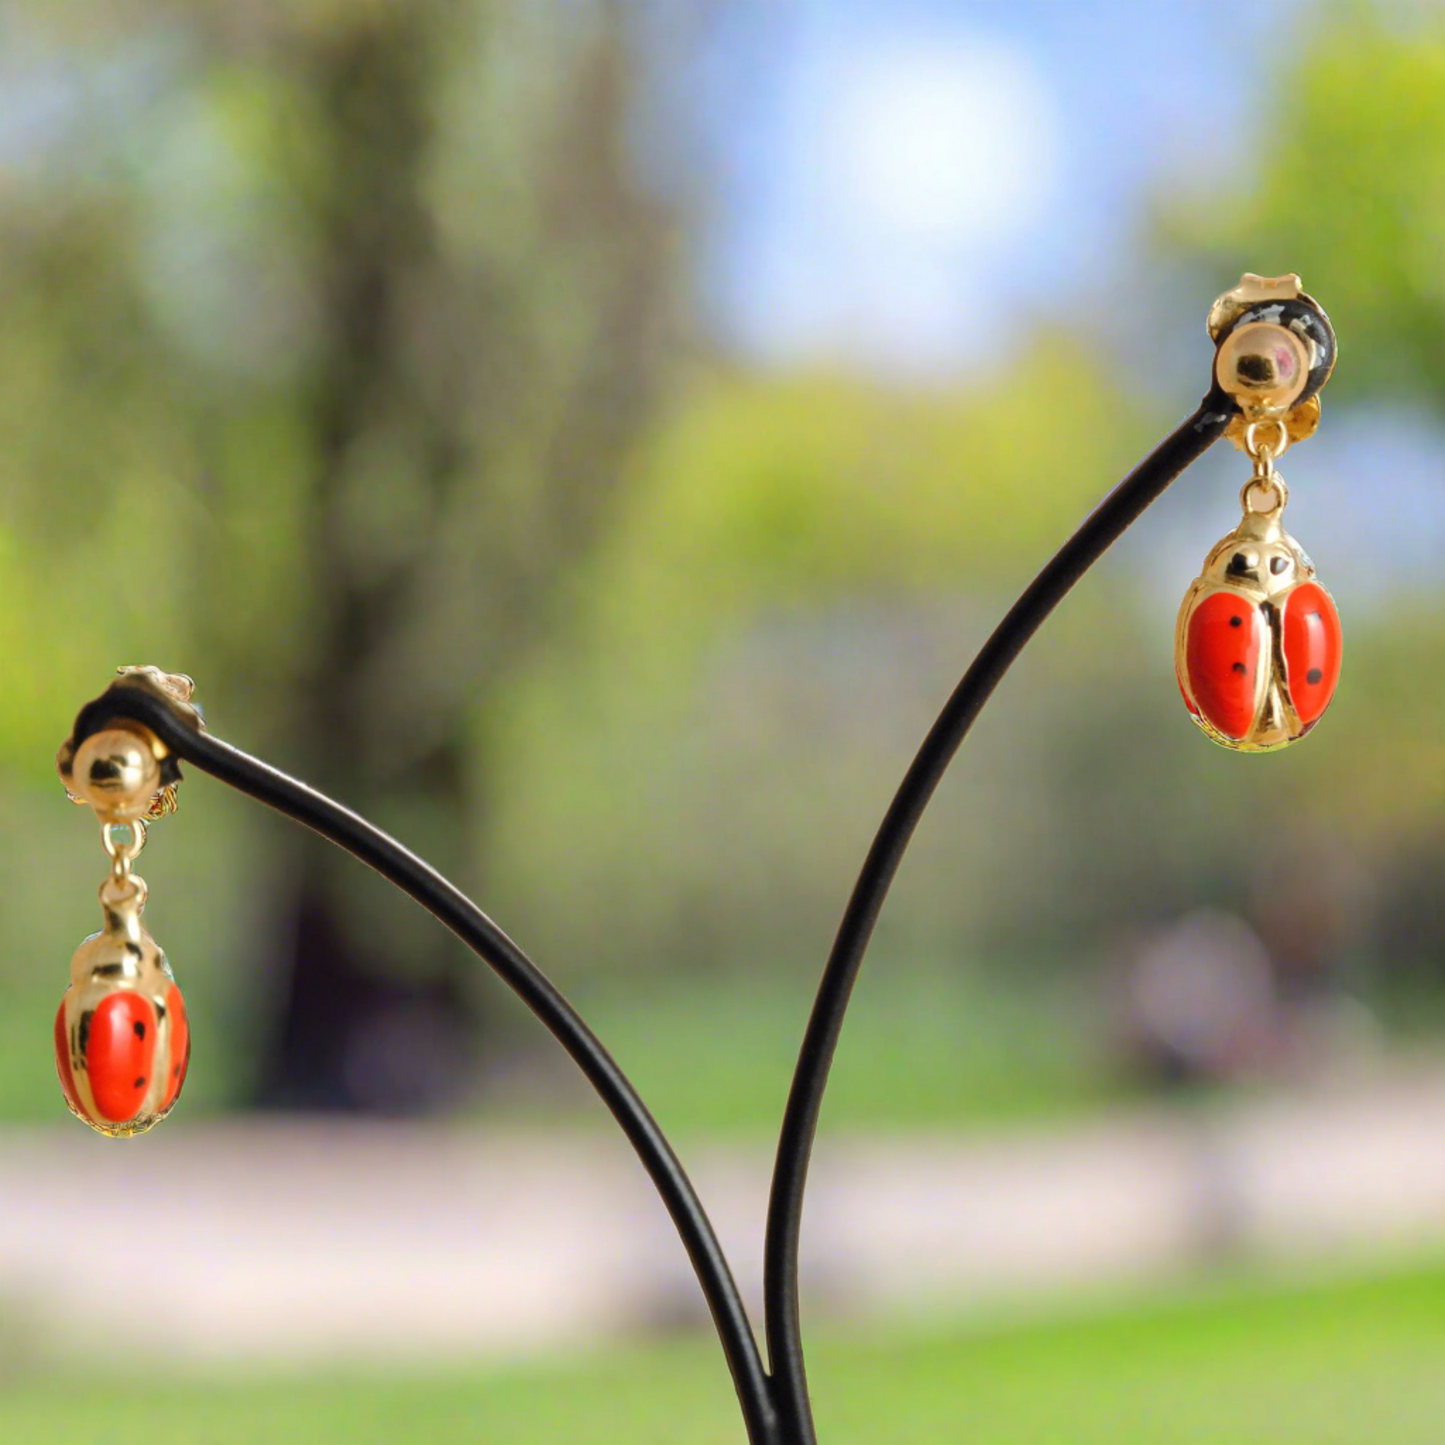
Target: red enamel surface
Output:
{"points": [[180, 1055], [1312, 649], [62, 1059], [118, 1054], [1222, 654], [1184, 694]]}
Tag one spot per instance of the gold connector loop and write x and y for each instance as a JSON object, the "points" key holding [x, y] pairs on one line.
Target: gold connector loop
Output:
{"points": [[122, 854], [1269, 452], [1252, 495]]}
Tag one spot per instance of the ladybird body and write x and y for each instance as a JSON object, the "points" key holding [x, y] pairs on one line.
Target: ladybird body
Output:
{"points": [[1257, 646], [122, 1039]]}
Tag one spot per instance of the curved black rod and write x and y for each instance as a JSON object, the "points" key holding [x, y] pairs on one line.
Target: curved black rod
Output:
{"points": [[440, 898], [790, 1173]]}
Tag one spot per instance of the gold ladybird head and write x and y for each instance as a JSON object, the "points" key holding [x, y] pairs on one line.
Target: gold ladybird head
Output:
{"points": [[1258, 558]]}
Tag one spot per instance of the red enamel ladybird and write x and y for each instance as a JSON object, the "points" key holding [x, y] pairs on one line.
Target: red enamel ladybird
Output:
{"points": [[1257, 647], [122, 1039]]}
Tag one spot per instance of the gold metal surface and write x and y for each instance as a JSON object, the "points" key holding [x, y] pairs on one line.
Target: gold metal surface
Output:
{"points": [[1264, 367], [117, 773], [126, 775], [176, 685], [1251, 291], [1300, 423], [176, 690], [121, 957], [1262, 364], [1259, 562]]}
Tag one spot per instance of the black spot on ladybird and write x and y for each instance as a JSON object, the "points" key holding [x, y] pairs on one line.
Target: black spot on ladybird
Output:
{"points": [[1236, 622], [139, 1084], [1240, 667], [1314, 675], [140, 1029]]}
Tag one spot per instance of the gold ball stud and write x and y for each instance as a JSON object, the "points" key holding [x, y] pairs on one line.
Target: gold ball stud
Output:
{"points": [[117, 773], [1264, 367]]}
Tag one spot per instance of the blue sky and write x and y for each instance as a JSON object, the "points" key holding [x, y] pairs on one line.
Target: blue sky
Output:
{"points": [[897, 183], [904, 186], [897, 180]]}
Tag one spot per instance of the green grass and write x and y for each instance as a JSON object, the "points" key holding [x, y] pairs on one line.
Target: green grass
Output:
{"points": [[923, 1047], [1353, 1363]]}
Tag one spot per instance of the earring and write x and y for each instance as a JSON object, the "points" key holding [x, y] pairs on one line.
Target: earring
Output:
{"points": [[122, 1038], [1257, 644]]}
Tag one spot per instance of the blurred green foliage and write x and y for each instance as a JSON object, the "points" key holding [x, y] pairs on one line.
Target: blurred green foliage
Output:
{"points": [[328, 328], [344, 370], [931, 1045], [800, 571], [1345, 184], [1329, 1364], [807, 565]]}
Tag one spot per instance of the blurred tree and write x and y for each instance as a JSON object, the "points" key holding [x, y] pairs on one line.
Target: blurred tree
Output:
{"points": [[807, 540], [1346, 185], [803, 568], [326, 329], [341, 318], [495, 391], [1347, 188]]}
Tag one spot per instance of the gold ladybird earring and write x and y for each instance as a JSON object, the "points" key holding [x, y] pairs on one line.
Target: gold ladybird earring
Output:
{"points": [[1257, 644], [122, 1039]]}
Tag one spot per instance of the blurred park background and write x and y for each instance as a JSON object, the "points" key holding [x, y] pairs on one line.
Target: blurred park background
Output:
{"points": [[591, 440]]}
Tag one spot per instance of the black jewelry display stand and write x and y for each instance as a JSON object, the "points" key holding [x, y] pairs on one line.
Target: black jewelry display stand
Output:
{"points": [[773, 1396]]}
